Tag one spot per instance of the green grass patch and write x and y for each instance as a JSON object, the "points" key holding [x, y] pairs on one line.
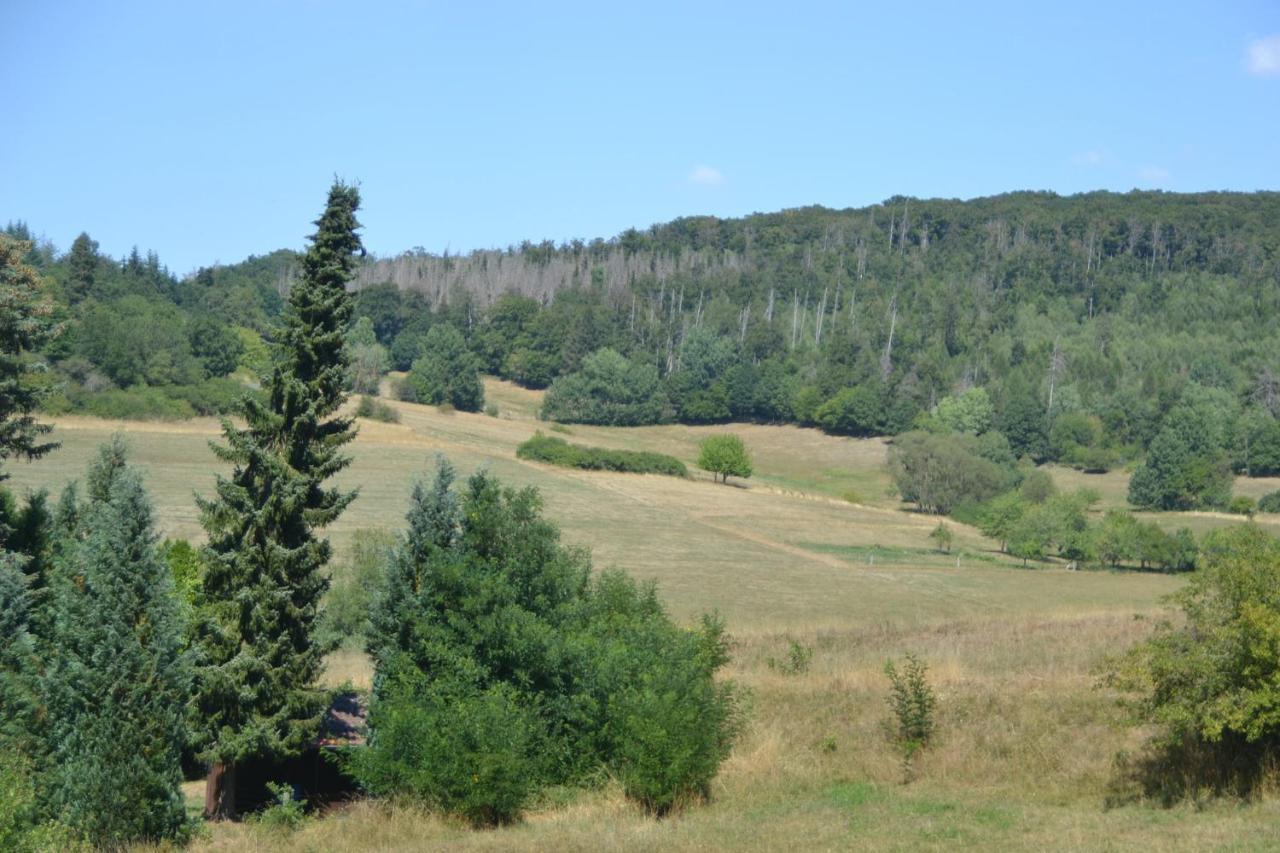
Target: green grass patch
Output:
{"points": [[557, 451]]}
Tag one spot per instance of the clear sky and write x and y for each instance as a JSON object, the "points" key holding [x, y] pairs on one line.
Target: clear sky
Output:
{"points": [[208, 131]]}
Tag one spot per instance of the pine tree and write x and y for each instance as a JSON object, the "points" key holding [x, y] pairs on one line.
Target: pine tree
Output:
{"points": [[25, 326], [82, 267], [259, 657], [117, 684]]}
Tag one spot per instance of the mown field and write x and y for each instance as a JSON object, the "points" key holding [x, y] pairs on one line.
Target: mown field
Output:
{"points": [[814, 549]]}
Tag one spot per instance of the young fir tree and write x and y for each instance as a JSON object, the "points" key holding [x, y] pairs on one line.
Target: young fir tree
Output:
{"points": [[117, 684], [264, 579]]}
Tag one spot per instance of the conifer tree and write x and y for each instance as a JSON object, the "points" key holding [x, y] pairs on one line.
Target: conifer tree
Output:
{"points": [[117, 684], [259, 656], [25, 326]]}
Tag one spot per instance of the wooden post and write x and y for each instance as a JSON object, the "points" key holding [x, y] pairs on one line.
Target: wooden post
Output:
{"points": [[220, 792]]}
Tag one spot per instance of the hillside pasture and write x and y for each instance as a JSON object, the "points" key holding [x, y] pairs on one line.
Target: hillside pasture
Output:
{"points": [[1026, 745]]}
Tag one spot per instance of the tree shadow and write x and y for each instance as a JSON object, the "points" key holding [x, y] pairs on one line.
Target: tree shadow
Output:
{"points": [[1193, 769]]}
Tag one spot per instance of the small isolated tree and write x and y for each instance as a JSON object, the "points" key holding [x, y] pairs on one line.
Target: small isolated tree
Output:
{"points": [[912, 702], [724, 456], [942, 537], [117, 683]]}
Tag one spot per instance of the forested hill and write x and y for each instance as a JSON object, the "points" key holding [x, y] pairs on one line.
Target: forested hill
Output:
{"points": [[1091, 314], [1104, 305]]}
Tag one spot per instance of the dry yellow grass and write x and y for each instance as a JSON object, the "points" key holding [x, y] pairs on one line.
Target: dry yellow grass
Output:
{"points": [[1025, 742]]}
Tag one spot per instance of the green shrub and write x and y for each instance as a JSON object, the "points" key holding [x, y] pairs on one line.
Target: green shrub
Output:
{"points": [[286, 814], [376, 410], [912, 702], [557, 451], [669, 723], [1208, 682], [796, 660], [1269, 502], [1242, 505], [491, 409], [461, 749], [161, 402], [20, 832]]}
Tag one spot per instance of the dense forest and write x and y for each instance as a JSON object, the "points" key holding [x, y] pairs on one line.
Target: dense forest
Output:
{"points": [[1072, 326]]}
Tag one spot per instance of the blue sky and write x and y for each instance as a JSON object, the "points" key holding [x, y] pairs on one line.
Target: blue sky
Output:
{"points": [[209, 131]]}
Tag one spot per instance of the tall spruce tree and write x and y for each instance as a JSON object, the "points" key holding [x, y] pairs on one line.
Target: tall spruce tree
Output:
{"points": [[25, 326], [259, 656], [117, 684]]}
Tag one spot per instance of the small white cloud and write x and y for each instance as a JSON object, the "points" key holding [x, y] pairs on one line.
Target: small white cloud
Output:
{"points": [[1263, 57], [1153, 174], [706, 176], [1092, 157]]}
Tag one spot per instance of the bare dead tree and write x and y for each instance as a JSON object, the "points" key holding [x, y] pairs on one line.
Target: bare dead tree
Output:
{"points": [[795, 316], [1057, 362], [886, 358], [818, 318]]}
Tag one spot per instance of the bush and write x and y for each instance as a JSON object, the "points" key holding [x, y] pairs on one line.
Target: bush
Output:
{"points": [[464, 750], [20, 832], [557, 451], [286, 814], [912, 702], [1269, 502], [1242, 505], [376, 410], [220, 396], [1209, 680], [795, 662]]}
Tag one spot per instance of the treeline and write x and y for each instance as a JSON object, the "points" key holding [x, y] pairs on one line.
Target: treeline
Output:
{"points": [[136, 341], [1085, 320]]}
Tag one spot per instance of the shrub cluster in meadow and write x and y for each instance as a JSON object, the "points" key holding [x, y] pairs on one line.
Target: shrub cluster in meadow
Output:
{"points": [[557, 451]]}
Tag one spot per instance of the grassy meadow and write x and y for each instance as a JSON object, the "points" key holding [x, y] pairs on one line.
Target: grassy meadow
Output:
{"points": [[813, 549]]}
